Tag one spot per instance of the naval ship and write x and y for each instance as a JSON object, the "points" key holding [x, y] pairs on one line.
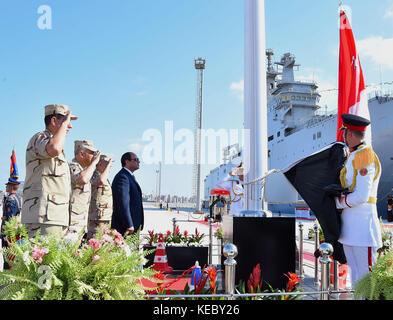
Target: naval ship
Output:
{"points": [[297, 128]]}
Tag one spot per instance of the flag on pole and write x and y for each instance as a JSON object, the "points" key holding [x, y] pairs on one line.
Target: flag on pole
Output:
{"points": [[352, 95], [311, 175], [14, 173]]}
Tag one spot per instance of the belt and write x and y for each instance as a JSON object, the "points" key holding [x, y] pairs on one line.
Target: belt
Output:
{"points": [[372, 200]]}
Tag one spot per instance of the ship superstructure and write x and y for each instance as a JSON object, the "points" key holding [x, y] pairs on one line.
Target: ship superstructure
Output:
{"points": [[298, 128]]}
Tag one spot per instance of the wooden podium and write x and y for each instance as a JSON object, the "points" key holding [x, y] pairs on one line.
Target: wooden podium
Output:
{"points": [[271, 242]]}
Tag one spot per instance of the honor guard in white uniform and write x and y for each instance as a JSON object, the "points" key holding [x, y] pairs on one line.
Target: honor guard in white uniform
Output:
{"points": [[47, 187], [360, 231], [233, 183]]}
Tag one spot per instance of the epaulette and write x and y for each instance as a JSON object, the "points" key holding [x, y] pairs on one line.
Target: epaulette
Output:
{"points": [[363, 158]]}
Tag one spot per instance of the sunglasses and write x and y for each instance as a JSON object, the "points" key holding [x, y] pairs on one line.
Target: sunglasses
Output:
{"points": [[135, 159]]}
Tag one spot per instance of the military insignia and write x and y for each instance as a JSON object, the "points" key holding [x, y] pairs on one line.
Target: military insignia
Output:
{"points": [[363, 172]]}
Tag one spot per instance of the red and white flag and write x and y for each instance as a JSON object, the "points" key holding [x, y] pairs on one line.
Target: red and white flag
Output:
{"points": [[352, 95]]}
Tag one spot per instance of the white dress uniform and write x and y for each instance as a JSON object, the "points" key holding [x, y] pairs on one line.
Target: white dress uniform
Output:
{"points": [[360, 231], [236, 191]]}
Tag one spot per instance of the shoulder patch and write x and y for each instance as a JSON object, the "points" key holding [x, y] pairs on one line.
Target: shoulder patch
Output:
{"points": [[363, 158], [363, 172]]}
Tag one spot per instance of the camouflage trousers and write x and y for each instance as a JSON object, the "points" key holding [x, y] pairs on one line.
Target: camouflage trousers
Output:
{"points": [[46, 229], [93, 225]]}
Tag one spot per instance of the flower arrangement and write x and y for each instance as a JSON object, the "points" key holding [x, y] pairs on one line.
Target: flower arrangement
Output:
{"points": [[50, 268], [176, 238], [14, 230], [219, 233], [254, 285]]}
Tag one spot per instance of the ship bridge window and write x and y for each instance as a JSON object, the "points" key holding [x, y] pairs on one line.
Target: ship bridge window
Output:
{"points": [[288, 131], [278, 134], [271, 138], [319, 134]]}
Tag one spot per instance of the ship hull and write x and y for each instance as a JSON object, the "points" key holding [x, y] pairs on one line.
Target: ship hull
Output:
{"points": [[319, 132]]}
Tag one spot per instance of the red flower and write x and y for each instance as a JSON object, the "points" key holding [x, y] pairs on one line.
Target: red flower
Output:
{"points": [[293, 281], [212, 274], [255, 281], [200, 285]]}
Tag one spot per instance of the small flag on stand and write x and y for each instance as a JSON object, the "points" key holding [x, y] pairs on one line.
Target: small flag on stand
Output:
{"points": [[14, 173]]}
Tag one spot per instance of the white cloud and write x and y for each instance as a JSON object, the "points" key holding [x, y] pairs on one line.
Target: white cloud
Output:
{"points": [[378, 49], [141, 93], [136, 145], [238, 89], [389, 13]]}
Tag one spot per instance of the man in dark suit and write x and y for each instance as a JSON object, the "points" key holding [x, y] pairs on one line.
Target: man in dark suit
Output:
{"points": [[127, 214]]}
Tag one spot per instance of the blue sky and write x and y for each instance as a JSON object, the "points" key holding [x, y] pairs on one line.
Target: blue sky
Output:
{"points": [[127, 66]]}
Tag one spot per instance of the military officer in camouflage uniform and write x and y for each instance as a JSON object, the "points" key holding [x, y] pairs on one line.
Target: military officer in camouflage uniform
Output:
{"points": [[100, 212], [46, 192], [81, 168]]}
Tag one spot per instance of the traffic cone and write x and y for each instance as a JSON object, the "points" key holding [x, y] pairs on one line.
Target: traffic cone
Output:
{"points": [[160, 258]]}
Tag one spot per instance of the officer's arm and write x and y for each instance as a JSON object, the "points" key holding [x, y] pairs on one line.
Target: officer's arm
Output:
{"points": [[225, 184], [55, 145], [105, 173]]}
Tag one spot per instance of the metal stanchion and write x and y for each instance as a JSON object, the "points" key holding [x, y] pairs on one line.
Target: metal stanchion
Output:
{"points": [[230, 252], [326, 250], [301, 276], [316, 232], [174, 224], [210, 262], [335, 275]]}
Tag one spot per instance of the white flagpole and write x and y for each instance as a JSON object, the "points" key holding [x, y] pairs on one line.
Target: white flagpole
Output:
{"points": [[255, 104]]}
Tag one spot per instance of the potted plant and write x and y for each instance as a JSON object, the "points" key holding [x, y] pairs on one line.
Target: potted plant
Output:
{"points": [[54, 268], [187, 250], [254, 285], [182, 249]]}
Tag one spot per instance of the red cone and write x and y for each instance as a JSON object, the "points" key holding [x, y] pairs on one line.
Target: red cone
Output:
{"points": [[160, 259]]}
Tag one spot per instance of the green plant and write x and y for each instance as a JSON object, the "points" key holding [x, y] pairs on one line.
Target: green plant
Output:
{"points": [[254, 285], [14, 230], [311, 234], [219, 233], [385, 232], [183, 239], [50, 268], [377, 284]]}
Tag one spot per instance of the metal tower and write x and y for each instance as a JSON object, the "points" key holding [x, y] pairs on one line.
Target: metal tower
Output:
{"points": [[200, 67]]}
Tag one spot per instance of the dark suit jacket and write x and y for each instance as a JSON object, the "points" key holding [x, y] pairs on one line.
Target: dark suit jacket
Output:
{"points": [[127, 202]]}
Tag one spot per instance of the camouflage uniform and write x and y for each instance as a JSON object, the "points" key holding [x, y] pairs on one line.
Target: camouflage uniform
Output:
{"points": [[100, 206], [80, 198], [47, 187]]}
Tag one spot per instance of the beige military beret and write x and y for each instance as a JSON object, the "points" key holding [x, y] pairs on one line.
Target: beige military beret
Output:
{"points": [[85, 144], [58, 109], [106, 158]]}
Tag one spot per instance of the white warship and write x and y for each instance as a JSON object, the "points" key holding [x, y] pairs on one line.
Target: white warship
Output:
{"points": [[297, 128]]}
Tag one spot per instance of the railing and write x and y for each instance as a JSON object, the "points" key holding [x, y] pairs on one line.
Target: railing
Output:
{"points": [[230, 252]]}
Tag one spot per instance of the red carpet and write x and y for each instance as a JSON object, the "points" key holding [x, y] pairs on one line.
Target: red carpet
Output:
{"points": [[178, 285]]}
